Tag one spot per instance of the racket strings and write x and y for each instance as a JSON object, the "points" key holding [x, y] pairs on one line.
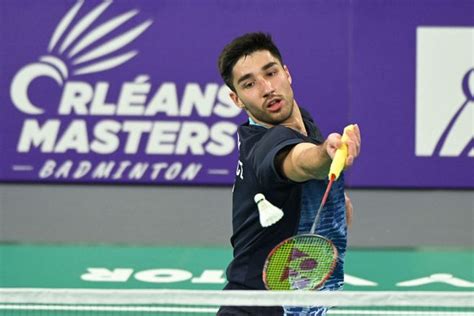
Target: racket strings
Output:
{"points": [[303, 262]]}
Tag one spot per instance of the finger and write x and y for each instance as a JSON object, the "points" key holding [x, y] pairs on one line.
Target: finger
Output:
{"points": [[357, 133], [355, 138], [351, 149], [349, 161], [349, 210], [334, 140], [332, 143]]}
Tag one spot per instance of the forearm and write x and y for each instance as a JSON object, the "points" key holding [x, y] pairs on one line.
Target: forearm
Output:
{"points": [[306, 161]]}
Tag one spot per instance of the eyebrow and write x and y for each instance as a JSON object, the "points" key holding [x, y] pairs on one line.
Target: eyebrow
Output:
{"points": [[247, 76]]}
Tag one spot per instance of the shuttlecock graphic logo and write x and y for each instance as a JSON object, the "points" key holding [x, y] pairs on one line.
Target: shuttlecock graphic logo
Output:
{"points": [[445, 92], [82, 47]]}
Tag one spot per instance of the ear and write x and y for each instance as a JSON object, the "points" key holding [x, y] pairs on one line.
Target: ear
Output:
{"points": [[235, 98], [288, 75]]}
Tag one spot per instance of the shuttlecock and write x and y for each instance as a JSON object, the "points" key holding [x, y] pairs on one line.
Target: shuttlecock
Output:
{"points": [[269, 213]]}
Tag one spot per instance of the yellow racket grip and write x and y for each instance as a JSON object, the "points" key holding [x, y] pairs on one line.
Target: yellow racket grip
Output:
{"points": [[340, 157]]}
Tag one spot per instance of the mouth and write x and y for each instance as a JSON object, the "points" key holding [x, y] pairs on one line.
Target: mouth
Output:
{"points": [[274, 105]]}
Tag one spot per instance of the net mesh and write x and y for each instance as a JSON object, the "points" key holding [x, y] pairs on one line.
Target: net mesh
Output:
{"points": [[68, 302]]}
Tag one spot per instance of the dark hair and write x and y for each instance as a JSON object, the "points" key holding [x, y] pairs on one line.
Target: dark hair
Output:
{"points": [[243, 46]]}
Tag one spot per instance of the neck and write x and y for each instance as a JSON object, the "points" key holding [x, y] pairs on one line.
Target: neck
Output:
{"points": [[295, 121]]}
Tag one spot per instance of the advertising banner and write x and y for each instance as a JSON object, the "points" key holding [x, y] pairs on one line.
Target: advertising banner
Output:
{"points": [[129, 91]]}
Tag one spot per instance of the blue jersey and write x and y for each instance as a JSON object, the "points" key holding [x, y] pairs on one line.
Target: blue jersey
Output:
{"points": [[257, 173], [332, 222]]}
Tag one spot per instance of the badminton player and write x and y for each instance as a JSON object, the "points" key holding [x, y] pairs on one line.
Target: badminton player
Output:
{"points": [[284, 156]]}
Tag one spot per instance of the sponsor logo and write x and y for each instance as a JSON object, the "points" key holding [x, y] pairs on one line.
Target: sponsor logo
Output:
{"points": [[88, 122], [445, 92], [84, 54]]}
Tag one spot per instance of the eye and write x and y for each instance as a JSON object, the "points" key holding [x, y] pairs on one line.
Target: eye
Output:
{"points": [[248, 85], [272, 73]]}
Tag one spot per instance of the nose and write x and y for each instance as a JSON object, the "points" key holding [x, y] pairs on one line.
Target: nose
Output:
{"points": [[267, 88]]}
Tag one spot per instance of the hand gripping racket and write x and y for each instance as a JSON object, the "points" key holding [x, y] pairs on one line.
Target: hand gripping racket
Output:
{"points": [[305, 262]]}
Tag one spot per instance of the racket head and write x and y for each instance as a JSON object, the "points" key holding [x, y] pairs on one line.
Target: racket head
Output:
{"points": [[302, 262]]}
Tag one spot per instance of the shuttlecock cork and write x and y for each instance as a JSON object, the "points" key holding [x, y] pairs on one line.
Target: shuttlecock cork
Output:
{"points": [[269, 214]]}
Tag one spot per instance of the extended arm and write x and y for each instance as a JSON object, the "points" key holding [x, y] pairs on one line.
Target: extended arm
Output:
{"points": [[307, 161]]}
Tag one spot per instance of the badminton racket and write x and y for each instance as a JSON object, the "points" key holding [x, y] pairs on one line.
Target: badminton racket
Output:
{"points": [[306, 261]]}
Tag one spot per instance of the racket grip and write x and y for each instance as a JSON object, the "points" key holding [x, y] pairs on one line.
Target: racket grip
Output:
{"points": [[340, 157]]}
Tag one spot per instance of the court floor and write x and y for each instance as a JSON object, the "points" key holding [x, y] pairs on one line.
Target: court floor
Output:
{"points": [[28, 266], [121, 266]]}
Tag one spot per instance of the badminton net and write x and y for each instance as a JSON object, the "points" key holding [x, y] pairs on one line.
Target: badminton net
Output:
{"points": [[102, 302]]}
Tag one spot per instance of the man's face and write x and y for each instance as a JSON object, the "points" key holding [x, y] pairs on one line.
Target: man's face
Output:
{"points": [[263, 88]]}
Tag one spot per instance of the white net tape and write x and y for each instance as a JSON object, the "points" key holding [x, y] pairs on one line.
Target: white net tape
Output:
{"points": [[234, 298]]}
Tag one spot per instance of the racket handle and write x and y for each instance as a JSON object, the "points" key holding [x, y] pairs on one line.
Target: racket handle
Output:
{"points": [[340, 157]]}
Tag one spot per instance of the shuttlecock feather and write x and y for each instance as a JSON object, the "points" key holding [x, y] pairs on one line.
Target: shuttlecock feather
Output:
{"points": [[269, 214]]}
